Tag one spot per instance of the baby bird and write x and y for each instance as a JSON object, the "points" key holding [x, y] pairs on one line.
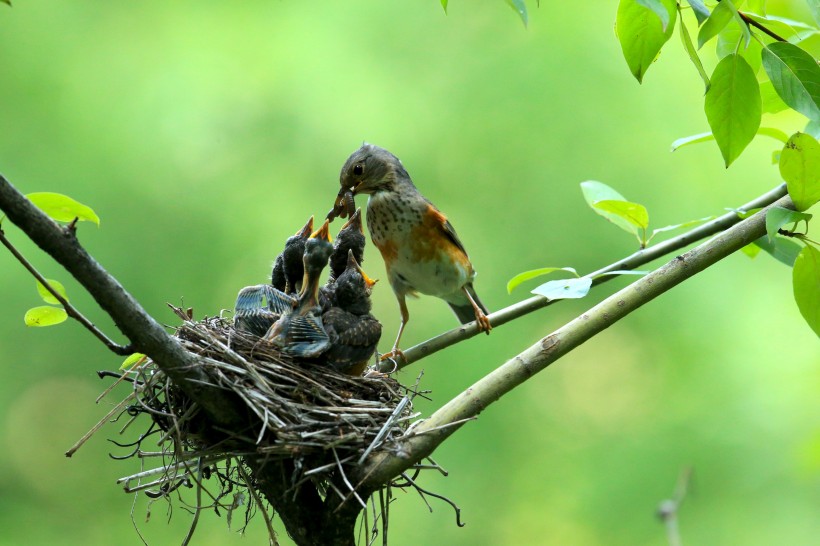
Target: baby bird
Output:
{"points": [[301, 332], [288, 269], [353, 331]]}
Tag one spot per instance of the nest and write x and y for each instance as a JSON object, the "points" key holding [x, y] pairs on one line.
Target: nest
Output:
{"points": [[320, 420]]}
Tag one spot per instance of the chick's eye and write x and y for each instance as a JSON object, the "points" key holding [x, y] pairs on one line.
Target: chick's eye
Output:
{"points": [[358, 169]]}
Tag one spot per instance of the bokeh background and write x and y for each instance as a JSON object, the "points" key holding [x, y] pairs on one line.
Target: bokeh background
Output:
{"points": [[205, 133]]}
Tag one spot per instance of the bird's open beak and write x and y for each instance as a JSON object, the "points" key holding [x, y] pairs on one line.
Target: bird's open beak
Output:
{"points": [[323, 232], [355, 220], [307, 230], [351, 262]]}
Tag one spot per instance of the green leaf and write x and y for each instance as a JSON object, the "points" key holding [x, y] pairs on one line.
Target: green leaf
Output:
{"points": [[47, 296], [733, 106], [701, 11], [634, 213], [814, 7], [527, 275], [657, 7], [444, 5], [718, 19], [777, 217], [641, 33], [813, 128], [598, 191], [520, 8], [795, 76], [706, 137], [782, 249], [45, 316], [793, 31], [747, 35], [693, 53], [728, 42], [806, 284], [564, 289], [743, 214], [751, 250], [800, 168], [771, 101], [132, 361], [62, 208], [8, 2]]}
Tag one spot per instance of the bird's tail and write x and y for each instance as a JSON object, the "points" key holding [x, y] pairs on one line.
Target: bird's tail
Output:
{"points": [[466, 313]]}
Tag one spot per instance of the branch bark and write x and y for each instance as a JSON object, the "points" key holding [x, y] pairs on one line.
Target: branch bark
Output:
{"points": [[443, 423]]}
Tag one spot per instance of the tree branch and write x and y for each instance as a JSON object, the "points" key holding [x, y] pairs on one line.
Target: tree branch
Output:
{"points": [[633, 261], [431, 433], [146, 334]]}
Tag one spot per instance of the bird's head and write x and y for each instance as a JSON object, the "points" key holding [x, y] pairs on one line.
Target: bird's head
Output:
{"points": [[318, 249], [370, 169]]}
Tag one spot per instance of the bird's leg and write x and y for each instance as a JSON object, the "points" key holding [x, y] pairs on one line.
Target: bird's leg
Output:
{"points": [[395, 352], [481, 319]]}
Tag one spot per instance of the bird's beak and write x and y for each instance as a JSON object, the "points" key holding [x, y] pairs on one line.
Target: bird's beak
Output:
{"points": [[323, 232], [355, 220], [351, 262], [307, 230]]}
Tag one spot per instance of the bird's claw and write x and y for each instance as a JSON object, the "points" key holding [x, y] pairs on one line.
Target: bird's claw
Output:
{"points": [[483, 323]]}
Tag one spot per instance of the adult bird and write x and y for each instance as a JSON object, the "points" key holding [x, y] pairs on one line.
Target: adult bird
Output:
{"points": [[288, 269], [353, 331], [301, 332], [421, 250]]}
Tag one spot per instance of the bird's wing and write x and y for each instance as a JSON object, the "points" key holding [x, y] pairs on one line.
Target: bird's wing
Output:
{"points": [[447, 228], [355, 331], [306, 336]]}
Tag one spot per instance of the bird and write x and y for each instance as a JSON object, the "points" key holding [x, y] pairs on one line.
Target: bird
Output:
{"points": [[354, 333], [350, 237], [301, 332], [288, 269], [421, 251], [258, 307]]}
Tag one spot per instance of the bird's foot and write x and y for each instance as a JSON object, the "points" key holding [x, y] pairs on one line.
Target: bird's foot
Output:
{"points": [[483, 323], [395, 356]]}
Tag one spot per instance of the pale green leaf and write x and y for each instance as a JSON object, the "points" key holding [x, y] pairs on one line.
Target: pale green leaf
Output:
{"points": [[45, 316], [776, 134], [733, 106], [729, 41], [694, 139], [564, 289], [527, 275], [133, 360], [682, 225], [598, 191], [814, 6], [800, 168], [795, 76], [62, 208], [700, 9], [634, 213], [782, 249], [444, 5], [813, 128], [777, 217], [693, 53], [520, 8], [794, 31], [47, 296], [806, 284], [641, 33]]}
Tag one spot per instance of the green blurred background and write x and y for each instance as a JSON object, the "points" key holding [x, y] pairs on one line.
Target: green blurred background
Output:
{"points": [[204, 133]]}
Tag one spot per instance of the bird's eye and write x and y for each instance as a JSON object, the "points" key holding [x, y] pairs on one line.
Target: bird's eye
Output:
{"points": [[358, 169]]}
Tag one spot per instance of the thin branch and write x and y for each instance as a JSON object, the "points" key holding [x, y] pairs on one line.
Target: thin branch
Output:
{"points": [[122, 350], [633, 261], [382, 466], [145, 334], [751, 22]]}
